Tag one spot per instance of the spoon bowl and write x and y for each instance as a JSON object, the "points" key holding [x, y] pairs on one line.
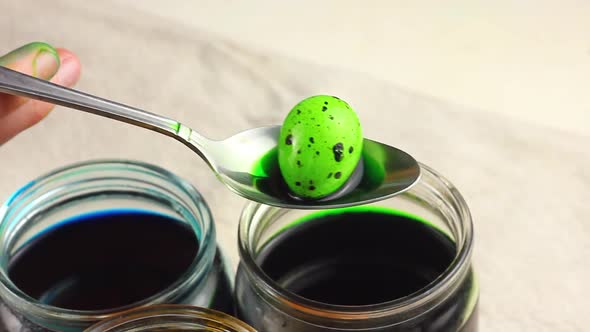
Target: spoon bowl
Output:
{"points": [[247, 163]]}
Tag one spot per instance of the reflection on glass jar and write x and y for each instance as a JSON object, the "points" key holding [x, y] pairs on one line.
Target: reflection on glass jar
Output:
{"points": [[90, 240], [171, 318], [401, 264]]}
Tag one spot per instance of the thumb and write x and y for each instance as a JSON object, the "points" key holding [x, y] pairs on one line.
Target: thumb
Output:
{"points": [[35, 59]]}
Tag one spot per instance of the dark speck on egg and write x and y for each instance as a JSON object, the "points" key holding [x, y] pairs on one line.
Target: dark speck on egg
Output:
{"points": [[337, 175], [338, 150]]}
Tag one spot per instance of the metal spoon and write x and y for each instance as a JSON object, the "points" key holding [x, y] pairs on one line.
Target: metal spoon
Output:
{"points": [[246, 162]]}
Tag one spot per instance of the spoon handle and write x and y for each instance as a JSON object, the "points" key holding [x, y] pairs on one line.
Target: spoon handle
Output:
{"points": [[15, 83]]}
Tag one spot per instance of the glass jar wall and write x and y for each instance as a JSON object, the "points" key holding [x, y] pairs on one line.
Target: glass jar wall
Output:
{"points": [[401, 264], [87, 241], [171, 318]]}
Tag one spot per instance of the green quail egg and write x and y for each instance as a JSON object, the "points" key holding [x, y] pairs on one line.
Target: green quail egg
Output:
{"points": [[320, 145]]}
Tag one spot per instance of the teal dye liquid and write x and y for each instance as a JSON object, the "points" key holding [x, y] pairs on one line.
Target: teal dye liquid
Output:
{"points": [[365, 256], [358, 257]]}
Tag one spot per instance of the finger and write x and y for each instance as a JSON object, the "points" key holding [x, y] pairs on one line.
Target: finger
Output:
{"points": [[35, 59], [69, 71], [68, 75], [33, 111]]}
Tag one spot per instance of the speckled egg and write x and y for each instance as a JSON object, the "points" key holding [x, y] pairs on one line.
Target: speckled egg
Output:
{"points": [[319, 146]]}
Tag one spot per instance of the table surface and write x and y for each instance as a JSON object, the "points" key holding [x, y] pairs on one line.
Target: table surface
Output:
{"points": [[509, 57], [526, 185]]}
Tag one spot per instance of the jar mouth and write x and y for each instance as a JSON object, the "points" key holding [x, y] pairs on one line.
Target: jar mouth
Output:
{"points": [[164, 314], [203, 228], [439, 288]]}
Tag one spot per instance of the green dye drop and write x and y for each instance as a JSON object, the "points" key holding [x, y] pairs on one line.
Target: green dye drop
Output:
{"points": [[175, 127]]}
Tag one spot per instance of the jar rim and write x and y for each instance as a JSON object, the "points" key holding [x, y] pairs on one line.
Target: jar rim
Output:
{"points": [[169, 311], [441, 286], [17, 298]]}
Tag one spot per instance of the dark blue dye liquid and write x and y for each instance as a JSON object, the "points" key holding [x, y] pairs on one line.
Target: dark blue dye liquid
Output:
{"points": [[104, 260]]}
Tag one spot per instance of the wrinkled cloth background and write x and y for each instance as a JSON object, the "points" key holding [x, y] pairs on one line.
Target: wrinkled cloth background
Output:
{"points": [[527, 187]]}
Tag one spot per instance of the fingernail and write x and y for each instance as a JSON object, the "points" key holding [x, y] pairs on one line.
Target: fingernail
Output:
{"points": [[36, 59], [45, 64]]}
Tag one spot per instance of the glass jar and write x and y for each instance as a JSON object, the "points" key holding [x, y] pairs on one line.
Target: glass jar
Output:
{"points": [[171, 318], [447, 303], [91, 187]]}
